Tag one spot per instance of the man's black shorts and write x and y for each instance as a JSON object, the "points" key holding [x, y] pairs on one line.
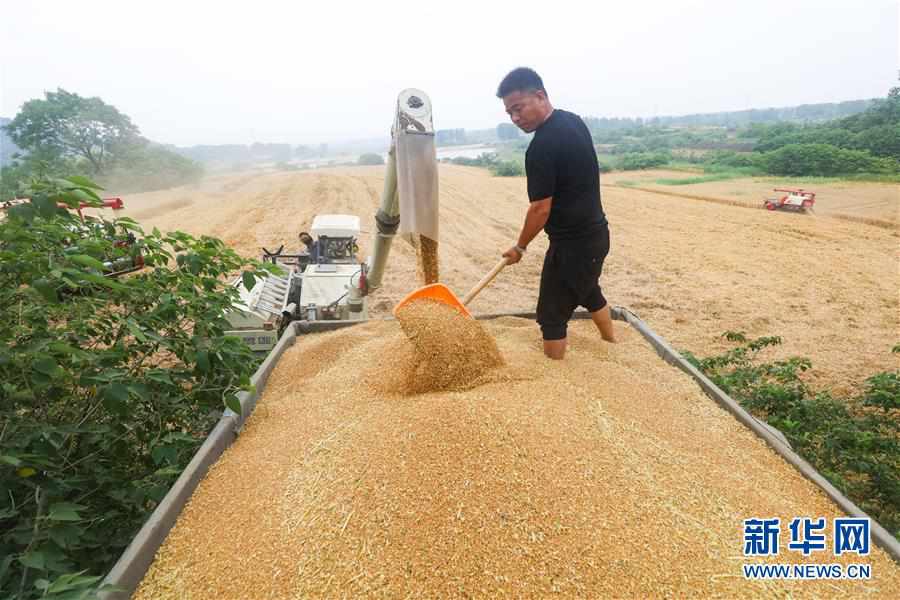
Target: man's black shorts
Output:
{"points": [[568, 280]]}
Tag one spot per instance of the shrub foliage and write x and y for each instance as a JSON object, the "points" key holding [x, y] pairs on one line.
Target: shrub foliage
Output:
{"points": [[107, 385], [854, 442]]}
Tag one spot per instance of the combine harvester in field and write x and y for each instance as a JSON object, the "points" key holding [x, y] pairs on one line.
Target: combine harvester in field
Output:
{"points": [[608, 474], [326, 281], [797, 200], [128, 254]]}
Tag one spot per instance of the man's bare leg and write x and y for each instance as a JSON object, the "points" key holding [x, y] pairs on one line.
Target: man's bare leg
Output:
{"points": [[555, 349], [603, 320]]}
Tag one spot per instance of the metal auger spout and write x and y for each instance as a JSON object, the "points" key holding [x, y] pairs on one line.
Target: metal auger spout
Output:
{"points": [[410, 181]]}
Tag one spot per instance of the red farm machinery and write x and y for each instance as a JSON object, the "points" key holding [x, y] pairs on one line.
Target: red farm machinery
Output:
{"points": [[798, 200]]}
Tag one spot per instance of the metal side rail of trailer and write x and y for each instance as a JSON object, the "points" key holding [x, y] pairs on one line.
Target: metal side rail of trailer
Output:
{"points": [[131, 567]]}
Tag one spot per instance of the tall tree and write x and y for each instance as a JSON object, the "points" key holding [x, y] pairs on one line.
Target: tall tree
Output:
{"points": [[65, 124]]}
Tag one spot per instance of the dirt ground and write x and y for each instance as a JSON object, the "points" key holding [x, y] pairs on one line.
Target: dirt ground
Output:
{"points": [[854, 199], [590, 478], [691, 269]]}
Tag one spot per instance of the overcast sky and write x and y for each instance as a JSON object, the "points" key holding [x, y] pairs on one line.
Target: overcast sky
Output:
{"points": [[193, 72]]}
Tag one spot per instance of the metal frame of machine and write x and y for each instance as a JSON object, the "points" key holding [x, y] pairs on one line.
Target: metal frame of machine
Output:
{"points": [[324, 282], [327, 282]]}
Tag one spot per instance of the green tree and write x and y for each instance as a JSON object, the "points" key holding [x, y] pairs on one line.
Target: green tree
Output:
{"points": [[881, 141], [149, 167], [65, 124], [485, 159], [507, 168], [728, 158], [876, 130], [16, 177], [884, 111], [823, 160], [643, 160], [370, 158]]}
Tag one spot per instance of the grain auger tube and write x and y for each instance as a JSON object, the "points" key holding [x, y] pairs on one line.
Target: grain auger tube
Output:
{"points": [[409, 200]]}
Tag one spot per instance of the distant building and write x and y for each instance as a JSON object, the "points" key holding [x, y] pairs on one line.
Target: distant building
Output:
{"points": [[449, 137]]}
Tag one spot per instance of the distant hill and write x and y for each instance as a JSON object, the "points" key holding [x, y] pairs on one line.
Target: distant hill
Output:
{"points": [[804, 113], [235, 154], [7, 148]]}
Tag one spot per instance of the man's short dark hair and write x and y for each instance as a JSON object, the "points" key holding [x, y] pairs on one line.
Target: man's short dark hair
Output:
{"points": [[521, 79]]}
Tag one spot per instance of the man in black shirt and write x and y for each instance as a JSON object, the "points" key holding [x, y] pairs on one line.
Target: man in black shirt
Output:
{"points": [[564, 190]]}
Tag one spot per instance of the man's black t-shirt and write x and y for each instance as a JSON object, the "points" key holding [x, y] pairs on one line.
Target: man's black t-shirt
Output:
{"points": [[561, 162]]}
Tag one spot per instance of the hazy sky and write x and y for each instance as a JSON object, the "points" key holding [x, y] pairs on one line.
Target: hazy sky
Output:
{"points": [[193, 72]]}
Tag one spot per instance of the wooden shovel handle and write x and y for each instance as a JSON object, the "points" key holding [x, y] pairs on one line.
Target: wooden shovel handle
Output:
{"points": [[484, 281]]}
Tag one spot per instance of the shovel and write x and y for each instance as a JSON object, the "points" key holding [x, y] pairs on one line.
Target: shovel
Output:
{"points": [[439, 292]]}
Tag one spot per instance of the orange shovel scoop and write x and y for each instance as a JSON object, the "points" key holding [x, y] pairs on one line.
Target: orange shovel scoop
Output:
{"points": [[441, 293]]}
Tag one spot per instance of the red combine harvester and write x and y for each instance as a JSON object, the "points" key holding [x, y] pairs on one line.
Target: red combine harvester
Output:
{"points": [[798, 200], [113, 203], [115, 266], [130, 262]]}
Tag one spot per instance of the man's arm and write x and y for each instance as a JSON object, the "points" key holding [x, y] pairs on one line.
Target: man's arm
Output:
{"points": [[535, 219]]}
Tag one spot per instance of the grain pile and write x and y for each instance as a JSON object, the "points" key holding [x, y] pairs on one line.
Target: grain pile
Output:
{"points": [[442, 350], [608, 474]]}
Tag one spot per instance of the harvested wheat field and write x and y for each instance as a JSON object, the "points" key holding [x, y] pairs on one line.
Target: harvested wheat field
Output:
{"points": [[871, 201], [691, 269], [592, 477]]}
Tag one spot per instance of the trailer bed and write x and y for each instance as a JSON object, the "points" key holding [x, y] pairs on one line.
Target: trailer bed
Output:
{"points": [[608, 474]]}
